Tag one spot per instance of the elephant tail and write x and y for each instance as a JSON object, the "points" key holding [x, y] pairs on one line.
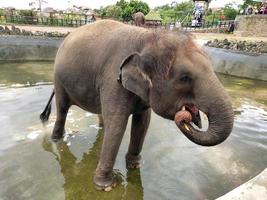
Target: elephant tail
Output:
{"points": [[46, 113]]}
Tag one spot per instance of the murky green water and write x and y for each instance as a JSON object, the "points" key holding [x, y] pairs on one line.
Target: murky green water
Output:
{"points": [[32, 167]]}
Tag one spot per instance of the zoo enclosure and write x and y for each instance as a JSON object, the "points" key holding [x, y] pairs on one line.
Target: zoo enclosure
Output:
{"points": [[213, 24]]}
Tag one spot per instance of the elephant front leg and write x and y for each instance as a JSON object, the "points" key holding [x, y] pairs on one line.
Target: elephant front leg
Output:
{"points": [[115, 125], [140, 123]]}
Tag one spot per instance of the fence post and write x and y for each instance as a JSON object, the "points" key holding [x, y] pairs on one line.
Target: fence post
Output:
{"points": [[213, 18]]}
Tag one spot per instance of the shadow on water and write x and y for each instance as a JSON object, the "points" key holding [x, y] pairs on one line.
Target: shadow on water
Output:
{"points": [[241, 88], [78, 175], [34, 167]]}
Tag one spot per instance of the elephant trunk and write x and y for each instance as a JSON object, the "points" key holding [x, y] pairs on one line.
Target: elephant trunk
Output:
{"points": [[221, 117]]}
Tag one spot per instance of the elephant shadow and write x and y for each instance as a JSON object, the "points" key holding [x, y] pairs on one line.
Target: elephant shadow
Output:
{"points": [[78, 175]]}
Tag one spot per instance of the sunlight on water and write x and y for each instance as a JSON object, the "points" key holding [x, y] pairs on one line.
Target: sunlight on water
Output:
{"points": [[33, 167]]}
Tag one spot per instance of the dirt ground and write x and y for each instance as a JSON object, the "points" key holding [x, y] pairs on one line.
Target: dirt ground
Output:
{"points": [[45, 28], [202, 36]]}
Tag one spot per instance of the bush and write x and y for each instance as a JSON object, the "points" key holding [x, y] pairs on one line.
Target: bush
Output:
{"points": [[229, 12], [29, 13]]}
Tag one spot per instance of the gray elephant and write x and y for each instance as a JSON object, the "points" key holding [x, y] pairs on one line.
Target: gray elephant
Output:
{"points": [[116, 70], [139, 19]]}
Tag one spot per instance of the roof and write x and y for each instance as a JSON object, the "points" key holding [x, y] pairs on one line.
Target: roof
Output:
{"points": [[49, 10], [153, 16]]}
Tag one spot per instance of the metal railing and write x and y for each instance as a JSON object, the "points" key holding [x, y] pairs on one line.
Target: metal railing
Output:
{"points": [[207, 25], [194, 26], [47, 21]]}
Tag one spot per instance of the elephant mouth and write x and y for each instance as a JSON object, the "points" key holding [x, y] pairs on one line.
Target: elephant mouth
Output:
{"points": [[187, 115]]}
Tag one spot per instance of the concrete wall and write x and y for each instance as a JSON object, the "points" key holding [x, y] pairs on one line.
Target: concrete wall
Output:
{"points": [[255, 188], [238, 64], [15, 48], [251, 25]]}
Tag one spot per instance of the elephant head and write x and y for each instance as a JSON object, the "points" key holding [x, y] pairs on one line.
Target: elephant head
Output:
{"points": [[171, 74]]}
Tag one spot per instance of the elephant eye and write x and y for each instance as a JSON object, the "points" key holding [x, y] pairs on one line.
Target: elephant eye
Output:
{"points": [[185, 79]]}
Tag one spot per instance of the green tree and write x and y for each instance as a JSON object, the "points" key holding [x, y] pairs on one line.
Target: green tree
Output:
{"points": [[183, 9], [229, 12], [175, 11], [114, 12], [122, 4], [2, 11], [26, 13], [249, 2], [124, 10], [132, 7]]}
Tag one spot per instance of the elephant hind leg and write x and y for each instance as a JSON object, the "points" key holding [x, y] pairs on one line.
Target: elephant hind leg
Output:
{"points": [[63, 104], [140, 123]]}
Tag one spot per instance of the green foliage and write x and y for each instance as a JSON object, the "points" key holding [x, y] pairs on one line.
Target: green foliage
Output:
{"points": [[114, 12], [134, 6], [26, 13], [249, 2], [175, 11], [124, 10], [229, 12], [122, 3], [2, 12], [71, 16], [213, 17]]}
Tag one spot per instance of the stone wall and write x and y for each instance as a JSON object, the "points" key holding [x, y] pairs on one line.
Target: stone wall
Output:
{"points": [[251, 25], [238, 64], [21, 48]]}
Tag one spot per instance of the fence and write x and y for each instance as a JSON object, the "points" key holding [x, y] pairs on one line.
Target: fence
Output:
{"points": [[208, 26], [188, 26]]}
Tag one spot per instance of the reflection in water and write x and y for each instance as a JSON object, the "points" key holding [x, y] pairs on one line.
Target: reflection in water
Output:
{"points": [[78, 175], [25, 74], [33, 167], [245, 90]]}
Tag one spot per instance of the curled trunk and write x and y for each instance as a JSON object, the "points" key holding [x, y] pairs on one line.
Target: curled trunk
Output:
{"points": [[221, 117]]}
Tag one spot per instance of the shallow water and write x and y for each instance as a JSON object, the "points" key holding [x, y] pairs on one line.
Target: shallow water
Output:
{"points": [[33, 167]]}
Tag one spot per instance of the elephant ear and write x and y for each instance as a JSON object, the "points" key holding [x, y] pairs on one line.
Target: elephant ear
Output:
{"points": [[133, 76]]}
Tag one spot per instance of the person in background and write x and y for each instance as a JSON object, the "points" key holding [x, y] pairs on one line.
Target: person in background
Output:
{"points": [[249, 10]]}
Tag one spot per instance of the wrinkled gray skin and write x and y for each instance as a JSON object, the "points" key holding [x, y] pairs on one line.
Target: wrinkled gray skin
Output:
{"points": [[159, 70], [139, 19]]}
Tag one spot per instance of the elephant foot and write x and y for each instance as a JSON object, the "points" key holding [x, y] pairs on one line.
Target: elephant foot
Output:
{"points": [[100, 121], [133, 162], [57, 135], [104, 183]]}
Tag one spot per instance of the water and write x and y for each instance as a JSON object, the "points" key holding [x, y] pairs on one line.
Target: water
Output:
{"points": [[33, 167]]}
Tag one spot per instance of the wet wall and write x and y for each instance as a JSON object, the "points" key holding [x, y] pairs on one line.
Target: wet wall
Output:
{"points": [[14, 48], [20, 48], [238, 64]]}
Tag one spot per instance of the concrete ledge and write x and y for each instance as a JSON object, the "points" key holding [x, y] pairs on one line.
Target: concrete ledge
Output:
{"points": [[238, 64], [255, 189], [19, 48]]}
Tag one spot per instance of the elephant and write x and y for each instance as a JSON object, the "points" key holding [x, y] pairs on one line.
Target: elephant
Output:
{"points": [[139, 19], [117, 70]]}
